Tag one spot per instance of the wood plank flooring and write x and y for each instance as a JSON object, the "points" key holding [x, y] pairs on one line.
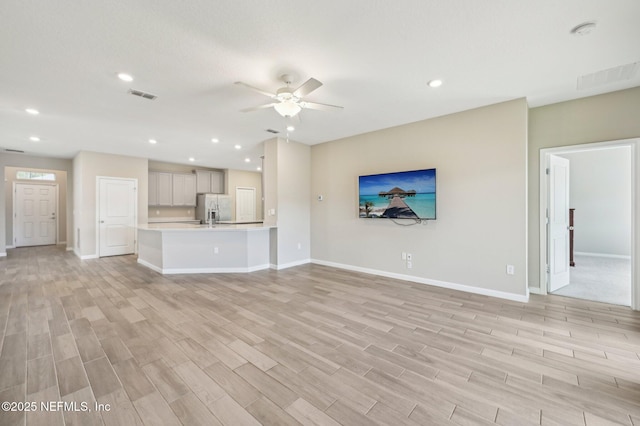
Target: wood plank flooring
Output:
{"points": [[309, 345]]}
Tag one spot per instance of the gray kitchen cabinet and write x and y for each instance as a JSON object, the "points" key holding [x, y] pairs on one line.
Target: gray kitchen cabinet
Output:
{"points": [[209, 181], [160, 189], [183, 189], [165, 190], [153, 189]]}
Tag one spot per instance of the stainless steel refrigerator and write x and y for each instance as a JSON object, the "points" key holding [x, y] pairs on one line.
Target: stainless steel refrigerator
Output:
{"points": [[216, 207]]}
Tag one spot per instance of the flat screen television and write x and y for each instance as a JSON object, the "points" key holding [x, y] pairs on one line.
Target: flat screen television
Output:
{"points": [[400, 195]]}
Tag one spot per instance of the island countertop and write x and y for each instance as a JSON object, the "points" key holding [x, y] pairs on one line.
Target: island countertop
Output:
{"points": [[198, 227], [186, 248]]}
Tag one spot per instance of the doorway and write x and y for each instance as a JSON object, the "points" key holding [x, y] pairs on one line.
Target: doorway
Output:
{"points": [[36, 214], [245, 204], [117, 216], [595, 181]]}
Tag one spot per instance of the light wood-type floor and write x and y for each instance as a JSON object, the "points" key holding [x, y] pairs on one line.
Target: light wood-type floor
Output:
{"points": [[306, 345]]}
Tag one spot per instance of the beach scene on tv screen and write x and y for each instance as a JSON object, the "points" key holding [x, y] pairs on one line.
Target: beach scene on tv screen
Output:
{"points": [[401, 195]]}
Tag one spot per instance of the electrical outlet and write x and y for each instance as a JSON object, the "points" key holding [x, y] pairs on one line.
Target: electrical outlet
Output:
{"points": [[409, 264], [215, 250], [299, 246], [409, 257], [511, 270], [404, 255]]}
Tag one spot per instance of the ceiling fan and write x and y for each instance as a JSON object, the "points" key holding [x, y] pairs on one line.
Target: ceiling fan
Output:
{"points": [[288, 102]]}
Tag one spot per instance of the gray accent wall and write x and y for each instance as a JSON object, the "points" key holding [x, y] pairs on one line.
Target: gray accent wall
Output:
{"points": [[287, 183], [480, 157], [608, 117]]}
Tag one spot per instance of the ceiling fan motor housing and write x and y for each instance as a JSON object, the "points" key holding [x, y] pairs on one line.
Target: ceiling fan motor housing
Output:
{"points": [[286, 94]]}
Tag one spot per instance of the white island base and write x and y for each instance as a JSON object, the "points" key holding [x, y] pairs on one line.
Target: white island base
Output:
{"points": [[197, 249]]}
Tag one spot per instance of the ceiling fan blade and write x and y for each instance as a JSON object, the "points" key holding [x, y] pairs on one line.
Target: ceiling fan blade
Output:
{"points": [[258, 107], [318, 106], [307, 87], [255, 89]]}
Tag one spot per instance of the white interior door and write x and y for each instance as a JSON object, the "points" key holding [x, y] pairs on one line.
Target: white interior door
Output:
{"points": [[245, 204], [117, 213], [36, 211], [558, 250]]}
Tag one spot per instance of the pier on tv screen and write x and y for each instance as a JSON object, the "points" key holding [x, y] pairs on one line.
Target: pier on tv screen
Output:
{"points": [[400, 195]]}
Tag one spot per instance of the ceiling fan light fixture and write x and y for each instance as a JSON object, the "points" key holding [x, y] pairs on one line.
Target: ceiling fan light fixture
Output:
{"points": [[287, 108]]}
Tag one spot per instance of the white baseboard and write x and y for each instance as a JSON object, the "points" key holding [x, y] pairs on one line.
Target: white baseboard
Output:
{"points": [[173, 271], [69, 249], [610, 256], [85, 257], [3, 254], [10, 247], [437, 283], [535, 290], [290, 264], [150, 265]]}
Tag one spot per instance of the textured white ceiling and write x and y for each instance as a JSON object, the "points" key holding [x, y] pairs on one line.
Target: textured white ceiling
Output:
{"points": [[374, 57]]}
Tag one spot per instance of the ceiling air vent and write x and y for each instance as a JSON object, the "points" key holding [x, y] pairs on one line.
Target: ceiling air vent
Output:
{"points": [[14, 150], [142, 94], [608, 76], [272, 131]]}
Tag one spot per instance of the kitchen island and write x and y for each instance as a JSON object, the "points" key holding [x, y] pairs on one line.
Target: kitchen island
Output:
{"points": [[182, 248]]}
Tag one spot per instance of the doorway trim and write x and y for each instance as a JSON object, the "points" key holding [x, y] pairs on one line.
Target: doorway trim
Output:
{"points": [[634, 146]]}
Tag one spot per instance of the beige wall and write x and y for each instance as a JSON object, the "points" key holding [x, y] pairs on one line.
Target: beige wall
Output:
{"points": [[31, 162], [287, 190], [160, 212], [480, 157], [61, 181], [245, 179], [87, 167], [612, 116], [232, 179]]}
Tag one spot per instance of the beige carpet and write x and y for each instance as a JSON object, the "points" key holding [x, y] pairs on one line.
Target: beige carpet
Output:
{"points": [[601, 279]]}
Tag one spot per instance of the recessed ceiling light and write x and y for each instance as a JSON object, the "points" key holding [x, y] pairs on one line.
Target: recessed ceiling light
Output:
{"points": [[34, 139], [125, 77], [290, 128], [32, 111], [237, 146], [583, 29], [215, 140], [153, 141], [435, 83], [192, 159], [247, 160]]}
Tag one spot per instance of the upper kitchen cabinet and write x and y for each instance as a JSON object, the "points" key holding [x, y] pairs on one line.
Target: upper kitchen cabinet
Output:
{"points": [[209, 181], [160, 189], [172, 189], [184, 189]]}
